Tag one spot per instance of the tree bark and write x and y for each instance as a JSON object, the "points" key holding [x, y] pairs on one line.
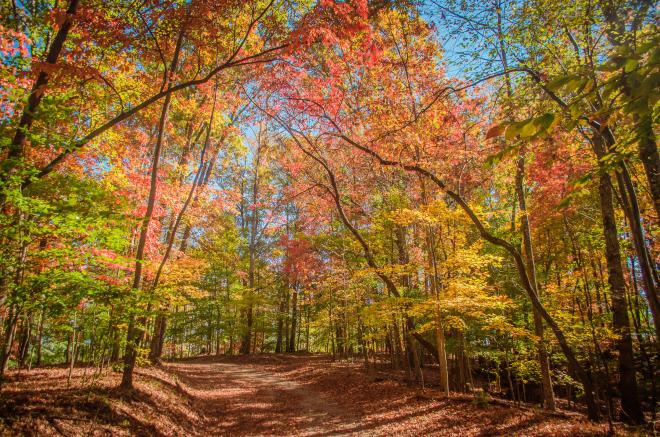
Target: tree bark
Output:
{"points": [[280, 323], [649, 276], [10, 330], [442, 356], [291, 347], [627, 385], [647, 148], [40, 336]]}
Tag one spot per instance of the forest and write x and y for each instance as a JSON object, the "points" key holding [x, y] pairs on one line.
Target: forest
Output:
{"points": [[329, 217]]}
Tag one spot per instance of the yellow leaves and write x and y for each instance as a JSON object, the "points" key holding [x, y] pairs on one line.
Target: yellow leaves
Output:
{"points": [[382, 313], [531, 128], [366, 273], [184, 270], [441, 212], [500, 324], [392, 270], [426, 327], [433, 214], [406, 217], [570, 82], [473, 306], [454, 322], [469, 264], [193, 292], [447, 323], [250, 297], [179, 283], [460, 302]]}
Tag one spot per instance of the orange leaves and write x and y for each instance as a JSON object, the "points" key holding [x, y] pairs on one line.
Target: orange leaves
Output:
{"points": [[495, 131], [331, 23]]}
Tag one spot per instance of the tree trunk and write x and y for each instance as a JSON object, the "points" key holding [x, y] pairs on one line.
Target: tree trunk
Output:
{"points": [[627, 385], [648, 154], [253, 225], [134, 333], [649, 276], [291, 347], [40, 337], [280, 322], [24, 343], [10, 330], [158, 339], [73, 352], [544, 363], [156, 348], [442, 357]]}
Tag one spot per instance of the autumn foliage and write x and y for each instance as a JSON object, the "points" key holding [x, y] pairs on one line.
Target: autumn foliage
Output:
{"points": [[461, 195]]}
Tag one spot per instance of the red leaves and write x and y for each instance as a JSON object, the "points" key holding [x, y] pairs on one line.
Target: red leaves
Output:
{"points": [[301, 261], [58, 16], [331, 22]]}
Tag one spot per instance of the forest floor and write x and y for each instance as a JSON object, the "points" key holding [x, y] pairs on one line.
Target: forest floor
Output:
{"points": [[259, 395]]}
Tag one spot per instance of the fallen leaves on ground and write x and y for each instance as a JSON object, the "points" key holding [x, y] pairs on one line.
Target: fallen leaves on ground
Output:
{"points": [[258, 395]]}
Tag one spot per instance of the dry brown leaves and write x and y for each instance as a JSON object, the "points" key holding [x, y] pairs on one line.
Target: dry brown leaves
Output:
{"points": [[260, 395]]}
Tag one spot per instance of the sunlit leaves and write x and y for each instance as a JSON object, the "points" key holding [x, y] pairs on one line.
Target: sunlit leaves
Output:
{"points": [[532, 128]]}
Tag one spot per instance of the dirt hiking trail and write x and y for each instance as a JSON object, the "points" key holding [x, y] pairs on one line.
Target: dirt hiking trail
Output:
{"points": [[263, 395]]}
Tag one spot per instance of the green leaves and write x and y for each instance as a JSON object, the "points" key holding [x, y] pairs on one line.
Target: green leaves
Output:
{"points": [[497, 157], [579, 188], [531, 128], [630, 64], [570, 82]]}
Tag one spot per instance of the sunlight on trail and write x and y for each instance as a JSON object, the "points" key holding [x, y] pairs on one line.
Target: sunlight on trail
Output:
{"points": [[257, 401], [302, 395]]}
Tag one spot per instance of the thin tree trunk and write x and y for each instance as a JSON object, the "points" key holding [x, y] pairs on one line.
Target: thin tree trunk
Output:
{"points": [[10, 330], [156, 348], [442, 357], [648, 154], [24, 343], [40, 336], [253, 225], [134, 333], [294, 319], [74, 351], [544, 363], [280, 322], [649, 277]]}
